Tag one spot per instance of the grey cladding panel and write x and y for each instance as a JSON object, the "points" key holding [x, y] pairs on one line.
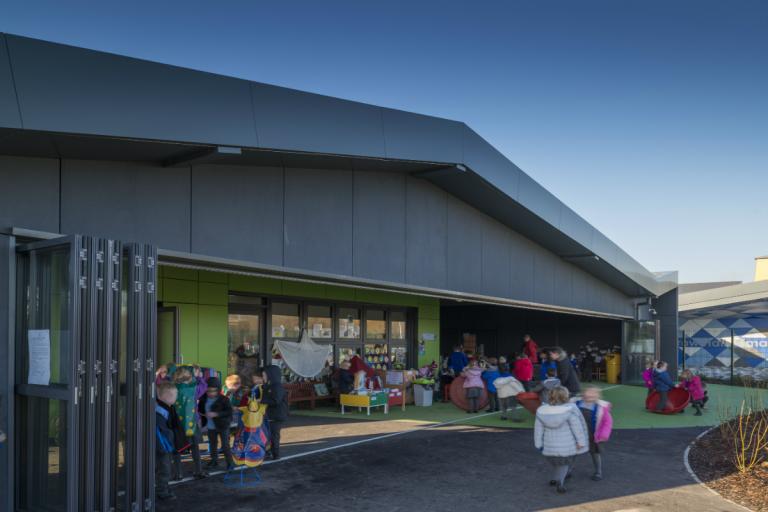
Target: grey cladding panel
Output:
{"points": [[491, 165], [544, 277], [522, 267], [426, 235], [127, 201], [29, 193], [318, 220], [379, 226], [417, 137], [9, 108], [563, 283], [576, 227], [538, 199], [465, 246], [289, 119], [67, 89], [496, 259], [237, 212]]}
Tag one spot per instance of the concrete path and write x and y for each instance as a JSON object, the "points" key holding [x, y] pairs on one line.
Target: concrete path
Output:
{"points": [[456, 468]]}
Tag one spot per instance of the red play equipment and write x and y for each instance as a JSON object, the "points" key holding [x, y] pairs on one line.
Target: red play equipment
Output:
{"points": [[530, 401], [678, 399], [458, 396]]}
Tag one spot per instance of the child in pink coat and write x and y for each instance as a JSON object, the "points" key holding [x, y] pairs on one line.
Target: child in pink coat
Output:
{"points": [[473, 385], [648, 376], [692, 383], [597, 414]]}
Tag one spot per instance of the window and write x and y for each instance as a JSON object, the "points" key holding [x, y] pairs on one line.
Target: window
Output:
{"points": [[244, 345], [349, 324], [285, 321], [319, 322], [375, 325], [397, 325]]}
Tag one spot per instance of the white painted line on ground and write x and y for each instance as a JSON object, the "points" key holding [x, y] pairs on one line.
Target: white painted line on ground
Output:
{"points": [[610, 387], [346, 445], [693, 475]]}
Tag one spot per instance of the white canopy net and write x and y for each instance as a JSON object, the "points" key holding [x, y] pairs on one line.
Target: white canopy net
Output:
{"points": [[305, 358]]}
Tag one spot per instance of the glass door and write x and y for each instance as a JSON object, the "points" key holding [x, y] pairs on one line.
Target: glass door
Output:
{"points": [[48, 384], [640, 347]]}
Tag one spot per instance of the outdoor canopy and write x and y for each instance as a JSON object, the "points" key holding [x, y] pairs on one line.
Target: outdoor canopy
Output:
{"points": [[305, 358]]}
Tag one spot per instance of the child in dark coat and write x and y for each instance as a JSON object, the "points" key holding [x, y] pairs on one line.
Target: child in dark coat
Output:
{"points": [[276, 400], [662, 382], [215, 417], [169, 434]]}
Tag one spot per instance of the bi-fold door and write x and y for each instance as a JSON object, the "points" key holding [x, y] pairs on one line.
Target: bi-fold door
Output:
{"points": [[85, 332]]}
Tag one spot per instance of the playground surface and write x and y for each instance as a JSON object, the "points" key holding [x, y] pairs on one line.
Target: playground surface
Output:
{"points": [[442, 458]]}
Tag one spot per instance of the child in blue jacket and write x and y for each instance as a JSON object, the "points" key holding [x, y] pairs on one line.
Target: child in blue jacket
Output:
{"points": [[662, 383], [490, 375]]}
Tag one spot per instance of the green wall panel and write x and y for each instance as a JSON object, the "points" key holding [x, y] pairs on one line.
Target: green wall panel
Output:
{"points": [[212, 337], [431, 311], [308, 290], [340, 293], [209, 276], [160, 288], [180, 273], [241, 283], [176, 290], [432, 348], [213, 293]]}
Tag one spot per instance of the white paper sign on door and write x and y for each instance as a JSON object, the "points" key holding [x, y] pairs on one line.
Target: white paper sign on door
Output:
{"points": [[39, 357]]}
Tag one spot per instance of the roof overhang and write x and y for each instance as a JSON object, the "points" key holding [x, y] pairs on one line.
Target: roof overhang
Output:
{"points": [[107, 107], [737, 300]]}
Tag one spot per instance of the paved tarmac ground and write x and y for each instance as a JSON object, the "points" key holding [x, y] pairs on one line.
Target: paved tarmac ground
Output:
{"points": [[453, 467]]}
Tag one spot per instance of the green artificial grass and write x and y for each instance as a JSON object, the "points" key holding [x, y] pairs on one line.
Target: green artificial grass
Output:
{"points": [[628, 410]]}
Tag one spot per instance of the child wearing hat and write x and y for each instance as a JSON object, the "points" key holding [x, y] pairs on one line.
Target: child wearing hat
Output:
{"points": [[215, 416]]}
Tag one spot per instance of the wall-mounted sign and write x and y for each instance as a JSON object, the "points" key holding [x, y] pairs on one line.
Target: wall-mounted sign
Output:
{"points": [[428, 336]]}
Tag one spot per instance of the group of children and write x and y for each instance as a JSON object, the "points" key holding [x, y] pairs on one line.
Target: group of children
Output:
{"points": [[189, 406], [501, 380], [657, 378]]}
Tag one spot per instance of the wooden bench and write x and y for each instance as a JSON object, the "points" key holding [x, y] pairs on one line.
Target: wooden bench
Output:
{"points": [[299, 392]]}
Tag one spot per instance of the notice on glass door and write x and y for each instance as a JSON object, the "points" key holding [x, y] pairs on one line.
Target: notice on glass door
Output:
{"points": [[39, 357]]}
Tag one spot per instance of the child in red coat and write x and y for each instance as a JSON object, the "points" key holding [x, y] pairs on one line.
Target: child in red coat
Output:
{"points": [[523, 371], [692, 383]]}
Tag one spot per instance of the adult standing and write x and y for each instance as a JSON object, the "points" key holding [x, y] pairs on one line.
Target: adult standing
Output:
{"points": [[458, 360], [530, 349], [565, 371]]}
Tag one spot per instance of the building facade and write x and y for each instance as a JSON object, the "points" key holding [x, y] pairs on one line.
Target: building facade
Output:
{"points": [[273, 210]]}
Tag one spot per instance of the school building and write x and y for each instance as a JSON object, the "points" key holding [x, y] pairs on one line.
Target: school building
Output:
{"points": [[151, 213]]}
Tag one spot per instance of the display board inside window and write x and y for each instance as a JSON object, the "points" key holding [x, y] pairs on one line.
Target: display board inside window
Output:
{"points": [[377, 356]]}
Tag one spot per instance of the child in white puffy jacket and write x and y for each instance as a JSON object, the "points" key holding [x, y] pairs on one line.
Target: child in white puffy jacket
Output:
{"points": [[507, 388], [560, 433]]}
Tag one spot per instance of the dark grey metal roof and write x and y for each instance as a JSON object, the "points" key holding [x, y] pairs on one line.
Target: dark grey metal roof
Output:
{"points": [[67, 101]]}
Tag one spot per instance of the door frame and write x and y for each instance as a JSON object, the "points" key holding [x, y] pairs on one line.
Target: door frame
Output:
{"points": [[176, 333]]}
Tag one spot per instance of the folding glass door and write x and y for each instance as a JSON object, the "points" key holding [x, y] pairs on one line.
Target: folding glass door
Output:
{"points": [[85, 334]]}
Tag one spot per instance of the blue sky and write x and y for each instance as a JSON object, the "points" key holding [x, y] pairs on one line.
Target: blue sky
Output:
{"points": [[649, 118]]}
